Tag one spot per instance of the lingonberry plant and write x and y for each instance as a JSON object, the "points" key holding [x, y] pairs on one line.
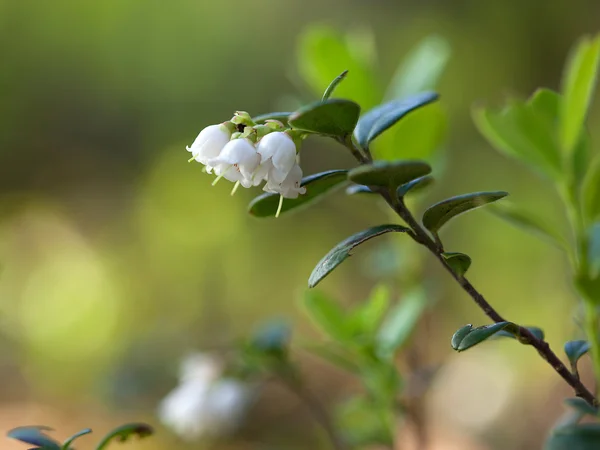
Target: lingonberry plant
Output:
{"points": [[547, 132]]}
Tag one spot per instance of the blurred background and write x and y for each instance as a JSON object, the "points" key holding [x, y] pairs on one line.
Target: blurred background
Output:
{"points": [[118, 257]]}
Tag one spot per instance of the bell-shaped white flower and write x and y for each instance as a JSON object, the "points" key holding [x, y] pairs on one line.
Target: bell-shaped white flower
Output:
{"points": [[237, 162], [209, 143], [277, 157], [290, 187], [204, 405]]}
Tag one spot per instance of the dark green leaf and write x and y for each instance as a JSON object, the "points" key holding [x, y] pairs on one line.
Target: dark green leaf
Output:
{"points": [[354, 189], [458, 262], [437, 215], [382, 117], [340, 252], [281, 116], [34, 435], [124, 432], [334, 117], [334, 84], [327, 315], [414, 185], [421, 68], [584, 436], [575, 350], [400, 322], [580, 405], [578, 85], [528, 222], [388, 174], [536, 331], [466, 338], [591, 191], [70, 440], [317, 185]]}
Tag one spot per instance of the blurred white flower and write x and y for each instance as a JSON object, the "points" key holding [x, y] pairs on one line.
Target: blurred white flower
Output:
{"points": [[237, 162], [204, 405], [290, 187], [209, 143], [277, 157]]}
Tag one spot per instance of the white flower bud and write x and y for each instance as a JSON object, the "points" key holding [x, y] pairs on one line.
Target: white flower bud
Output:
{"points": [[209, 143]]}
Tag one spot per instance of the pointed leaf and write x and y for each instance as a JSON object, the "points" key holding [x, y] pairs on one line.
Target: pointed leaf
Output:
{"points": [[466, 338], [414, 185], [340, 252], [334, 84], [66, 445], [354, 189], [437, 215], [591, 191], [400, 322], [334, 117], [575, 350], [585, 436], [382, 117], [458, 262], [281, 116], [528, 222], [124, 432], [578, 85], [580, 405], [388, 174], [327, 315], [317, 185], [35, 435]]}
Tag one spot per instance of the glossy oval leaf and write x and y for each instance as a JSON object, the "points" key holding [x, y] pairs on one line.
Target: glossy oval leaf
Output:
{"points": [[382, 117], [591, 191], [388, 174], [317, 185], [585, 436], [578, 85], [536, 331], [334, 117], [280, 116], [458, 262], [437, 215], [67, 444], [415, 185], [575, 350], [528, 222], [466, 338], [34, 435], [343, 250], [580, 405], [354, 189], [124, 432], [334, 85]]}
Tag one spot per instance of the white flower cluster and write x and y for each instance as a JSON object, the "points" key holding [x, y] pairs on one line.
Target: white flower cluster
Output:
{"points": [[259, 153], [205, 404]]}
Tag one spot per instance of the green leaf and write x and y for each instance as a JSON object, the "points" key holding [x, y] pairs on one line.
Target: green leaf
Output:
{"points": [[34, 435], [317, 186], [327, 315], [530, 223], [591, 191], [580, 405], [578, 85], [536, 331], [400, 322], [467, 336], [366, 317], [362, 422], [281, 116], [335, 355], [354, 189], [594, 250], [70, 440], [334, 84], [458, 262], [584, 436], [382, 117], [388, 174], [124, 432], [437, 215], [575, 350], [334, 117], [340, 252], [421, 69], [414, 185], [323, 53]]}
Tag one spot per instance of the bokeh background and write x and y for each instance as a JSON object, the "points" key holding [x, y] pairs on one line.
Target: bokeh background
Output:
{"points": [[118, 257]]}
